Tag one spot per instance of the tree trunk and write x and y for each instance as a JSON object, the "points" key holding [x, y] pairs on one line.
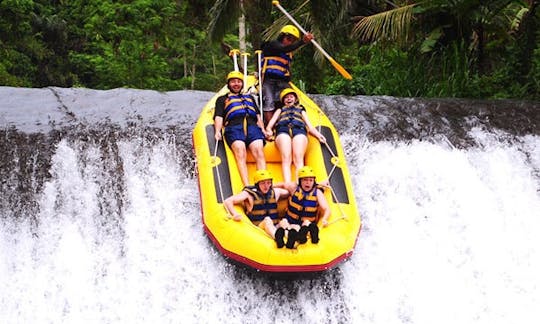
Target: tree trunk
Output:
{"points": [[193, 67], [242, 28]]}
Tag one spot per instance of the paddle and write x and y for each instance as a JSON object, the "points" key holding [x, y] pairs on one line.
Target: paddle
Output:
{"points": [[234, 53], [336, 65]]}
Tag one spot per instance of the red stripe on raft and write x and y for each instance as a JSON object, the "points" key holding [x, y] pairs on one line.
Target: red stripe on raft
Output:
{"points": [[276, 268]]}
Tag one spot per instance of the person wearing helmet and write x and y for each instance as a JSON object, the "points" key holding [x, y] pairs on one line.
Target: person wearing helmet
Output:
{"points": [[244, 129], [291, 125], [307, 204], [276, 69], [260, 204]]}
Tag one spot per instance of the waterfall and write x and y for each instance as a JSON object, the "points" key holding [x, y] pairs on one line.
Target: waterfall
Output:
{"points": [[100, 215]]}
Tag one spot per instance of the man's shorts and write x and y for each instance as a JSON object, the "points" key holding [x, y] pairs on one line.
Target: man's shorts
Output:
{"points": [[236, 133]]}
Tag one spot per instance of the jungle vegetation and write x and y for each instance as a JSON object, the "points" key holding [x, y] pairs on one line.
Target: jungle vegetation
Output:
{"points": [[408, 48]]}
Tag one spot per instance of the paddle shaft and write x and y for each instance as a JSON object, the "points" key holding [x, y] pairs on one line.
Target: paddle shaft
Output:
{"points": [[291, 18], [336, 65], [234, 53]]}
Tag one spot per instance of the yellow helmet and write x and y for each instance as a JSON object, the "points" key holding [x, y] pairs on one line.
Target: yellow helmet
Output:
{"points": [[261, 175], [291, 30], [306, 172], [285, 92], [235, 75]]}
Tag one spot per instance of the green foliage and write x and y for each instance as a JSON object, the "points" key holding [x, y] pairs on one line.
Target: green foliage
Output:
{"points": [[535, 76], [151, 44], [446, 73], [450, 48]]}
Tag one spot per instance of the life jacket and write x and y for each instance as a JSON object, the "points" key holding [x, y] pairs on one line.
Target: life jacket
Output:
{"points": [[291, 117], [263, 205], [278, 67], [238, 106], [303, 205]]}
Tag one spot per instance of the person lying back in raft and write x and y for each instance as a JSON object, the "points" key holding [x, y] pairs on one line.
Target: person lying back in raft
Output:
{"points": [[292, 126], [306, 205], [260, 204], [243, 125]]}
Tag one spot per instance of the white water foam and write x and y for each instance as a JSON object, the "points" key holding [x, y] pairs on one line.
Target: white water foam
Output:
{"points": [[449, 236]]}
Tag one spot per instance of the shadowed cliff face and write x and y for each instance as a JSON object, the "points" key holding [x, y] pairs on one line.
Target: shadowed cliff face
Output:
{"points": [[33, 121], [402, 119]]}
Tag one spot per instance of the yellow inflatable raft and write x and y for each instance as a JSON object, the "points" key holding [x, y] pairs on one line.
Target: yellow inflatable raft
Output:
{"points": [[247, 244]]}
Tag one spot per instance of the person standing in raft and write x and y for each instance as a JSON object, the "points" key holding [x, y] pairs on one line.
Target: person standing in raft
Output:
{"points": [[276, 70], [261, 205], [307, 204], [292, 125], [243, 125]]}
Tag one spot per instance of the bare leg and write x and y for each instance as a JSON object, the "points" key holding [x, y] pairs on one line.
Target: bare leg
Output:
{"points": [[283, 143], [239, 151], [299, 146], [256, 148], [268, 226]]}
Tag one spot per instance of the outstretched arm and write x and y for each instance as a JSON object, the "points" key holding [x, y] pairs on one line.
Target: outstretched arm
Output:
{"points": [[218, 117], [272, 122], [218, 125], [289, 186], [323, 205], [234, 200], [281, 193], [312, 130], [275, 47]]}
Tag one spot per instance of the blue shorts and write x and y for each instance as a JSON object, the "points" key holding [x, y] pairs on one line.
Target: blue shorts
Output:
{"points": [[292, 131], [236, 133]]}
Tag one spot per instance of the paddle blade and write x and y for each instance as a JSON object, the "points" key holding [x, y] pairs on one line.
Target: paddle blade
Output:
{"points": [[340, 69]]}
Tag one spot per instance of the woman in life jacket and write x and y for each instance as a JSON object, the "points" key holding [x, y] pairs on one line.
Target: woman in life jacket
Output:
{"points": [[307, 205], [291, 126], [260, 204]]}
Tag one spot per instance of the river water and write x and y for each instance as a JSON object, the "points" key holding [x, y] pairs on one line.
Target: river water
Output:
{"points": [[100, 216]]}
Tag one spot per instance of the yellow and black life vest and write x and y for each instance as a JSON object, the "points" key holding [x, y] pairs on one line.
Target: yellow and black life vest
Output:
{"points": [[303, 205], [291, 116], [278, 67], [263, 205], [239, 106]]}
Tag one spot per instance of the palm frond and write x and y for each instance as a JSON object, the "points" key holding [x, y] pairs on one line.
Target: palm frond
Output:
{"points": [[223, 15], [272, 31], [392, 25]]}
